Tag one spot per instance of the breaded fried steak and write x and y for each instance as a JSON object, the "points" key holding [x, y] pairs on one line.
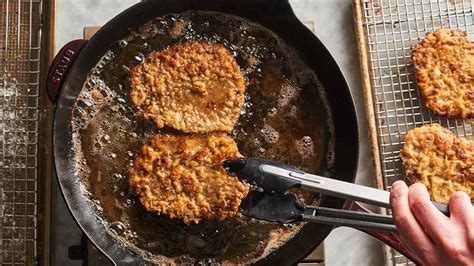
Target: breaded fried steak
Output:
{"points": [[444, 64], [439, 159], [183, 177], [192, 87]]}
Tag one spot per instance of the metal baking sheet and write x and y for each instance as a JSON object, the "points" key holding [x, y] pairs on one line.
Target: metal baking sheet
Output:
{"points": [[387, 31]]}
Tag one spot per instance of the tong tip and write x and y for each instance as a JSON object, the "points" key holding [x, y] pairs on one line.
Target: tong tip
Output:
{"points": [[233, 166]]}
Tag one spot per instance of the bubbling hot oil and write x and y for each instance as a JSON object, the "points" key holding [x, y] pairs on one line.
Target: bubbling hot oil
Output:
{"points": [[284, 118]]}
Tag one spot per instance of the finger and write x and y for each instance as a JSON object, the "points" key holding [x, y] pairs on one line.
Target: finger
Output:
{"points": [[430, 218], [409, 229], [461, 209]]}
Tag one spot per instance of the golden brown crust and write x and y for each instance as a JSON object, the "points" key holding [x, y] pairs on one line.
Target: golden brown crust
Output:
{"points": [[192, 87], [444, 64], [439, 159], [183, 177]]}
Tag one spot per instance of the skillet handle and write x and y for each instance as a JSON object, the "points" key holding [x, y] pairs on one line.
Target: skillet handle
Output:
{"points": [[60, 66], [388, 238]]}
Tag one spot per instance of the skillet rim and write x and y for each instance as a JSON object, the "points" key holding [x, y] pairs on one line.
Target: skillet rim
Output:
{"points": [[73, 192]]}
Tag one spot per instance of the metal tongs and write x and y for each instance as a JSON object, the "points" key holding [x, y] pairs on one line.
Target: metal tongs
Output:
{"points": [[269, 200]]}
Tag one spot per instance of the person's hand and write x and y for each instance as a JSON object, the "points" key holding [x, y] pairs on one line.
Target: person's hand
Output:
{"points": [[427, 233]]}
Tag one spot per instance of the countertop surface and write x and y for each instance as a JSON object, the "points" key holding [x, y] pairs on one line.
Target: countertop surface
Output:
{"points": [[333, 23]]}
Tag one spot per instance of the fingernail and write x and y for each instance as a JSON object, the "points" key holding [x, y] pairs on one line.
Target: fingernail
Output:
{"points": [[420, 186], [397, 183]]}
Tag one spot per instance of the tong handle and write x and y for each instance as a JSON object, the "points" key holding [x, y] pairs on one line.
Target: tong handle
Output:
{"points": [[349, 214], [376, 197], [358, 220], [337, 188]]}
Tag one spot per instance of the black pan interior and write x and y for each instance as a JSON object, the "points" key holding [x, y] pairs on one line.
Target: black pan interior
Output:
{"points": [[285, 118], [310, 165]]}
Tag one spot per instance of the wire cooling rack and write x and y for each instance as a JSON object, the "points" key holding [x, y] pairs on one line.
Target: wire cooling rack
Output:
{"points": [[386, 32], [20, 23]]}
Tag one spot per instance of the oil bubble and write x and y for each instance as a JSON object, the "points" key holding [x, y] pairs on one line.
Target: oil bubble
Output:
{"points": [[272, 112], [127, 203], [305, 147], [139, 57], [269, 134], [106, 138], [117, 177], [123, 43], [118, 228], [287, 93]]}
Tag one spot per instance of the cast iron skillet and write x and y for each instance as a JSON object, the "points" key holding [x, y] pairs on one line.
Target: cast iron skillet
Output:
{"points": [[73, 63]]}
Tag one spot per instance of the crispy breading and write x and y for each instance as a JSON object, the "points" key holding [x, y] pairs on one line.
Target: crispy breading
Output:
{"points": [[444, 64], [183, 177], [192, 87], [439, 159]]}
